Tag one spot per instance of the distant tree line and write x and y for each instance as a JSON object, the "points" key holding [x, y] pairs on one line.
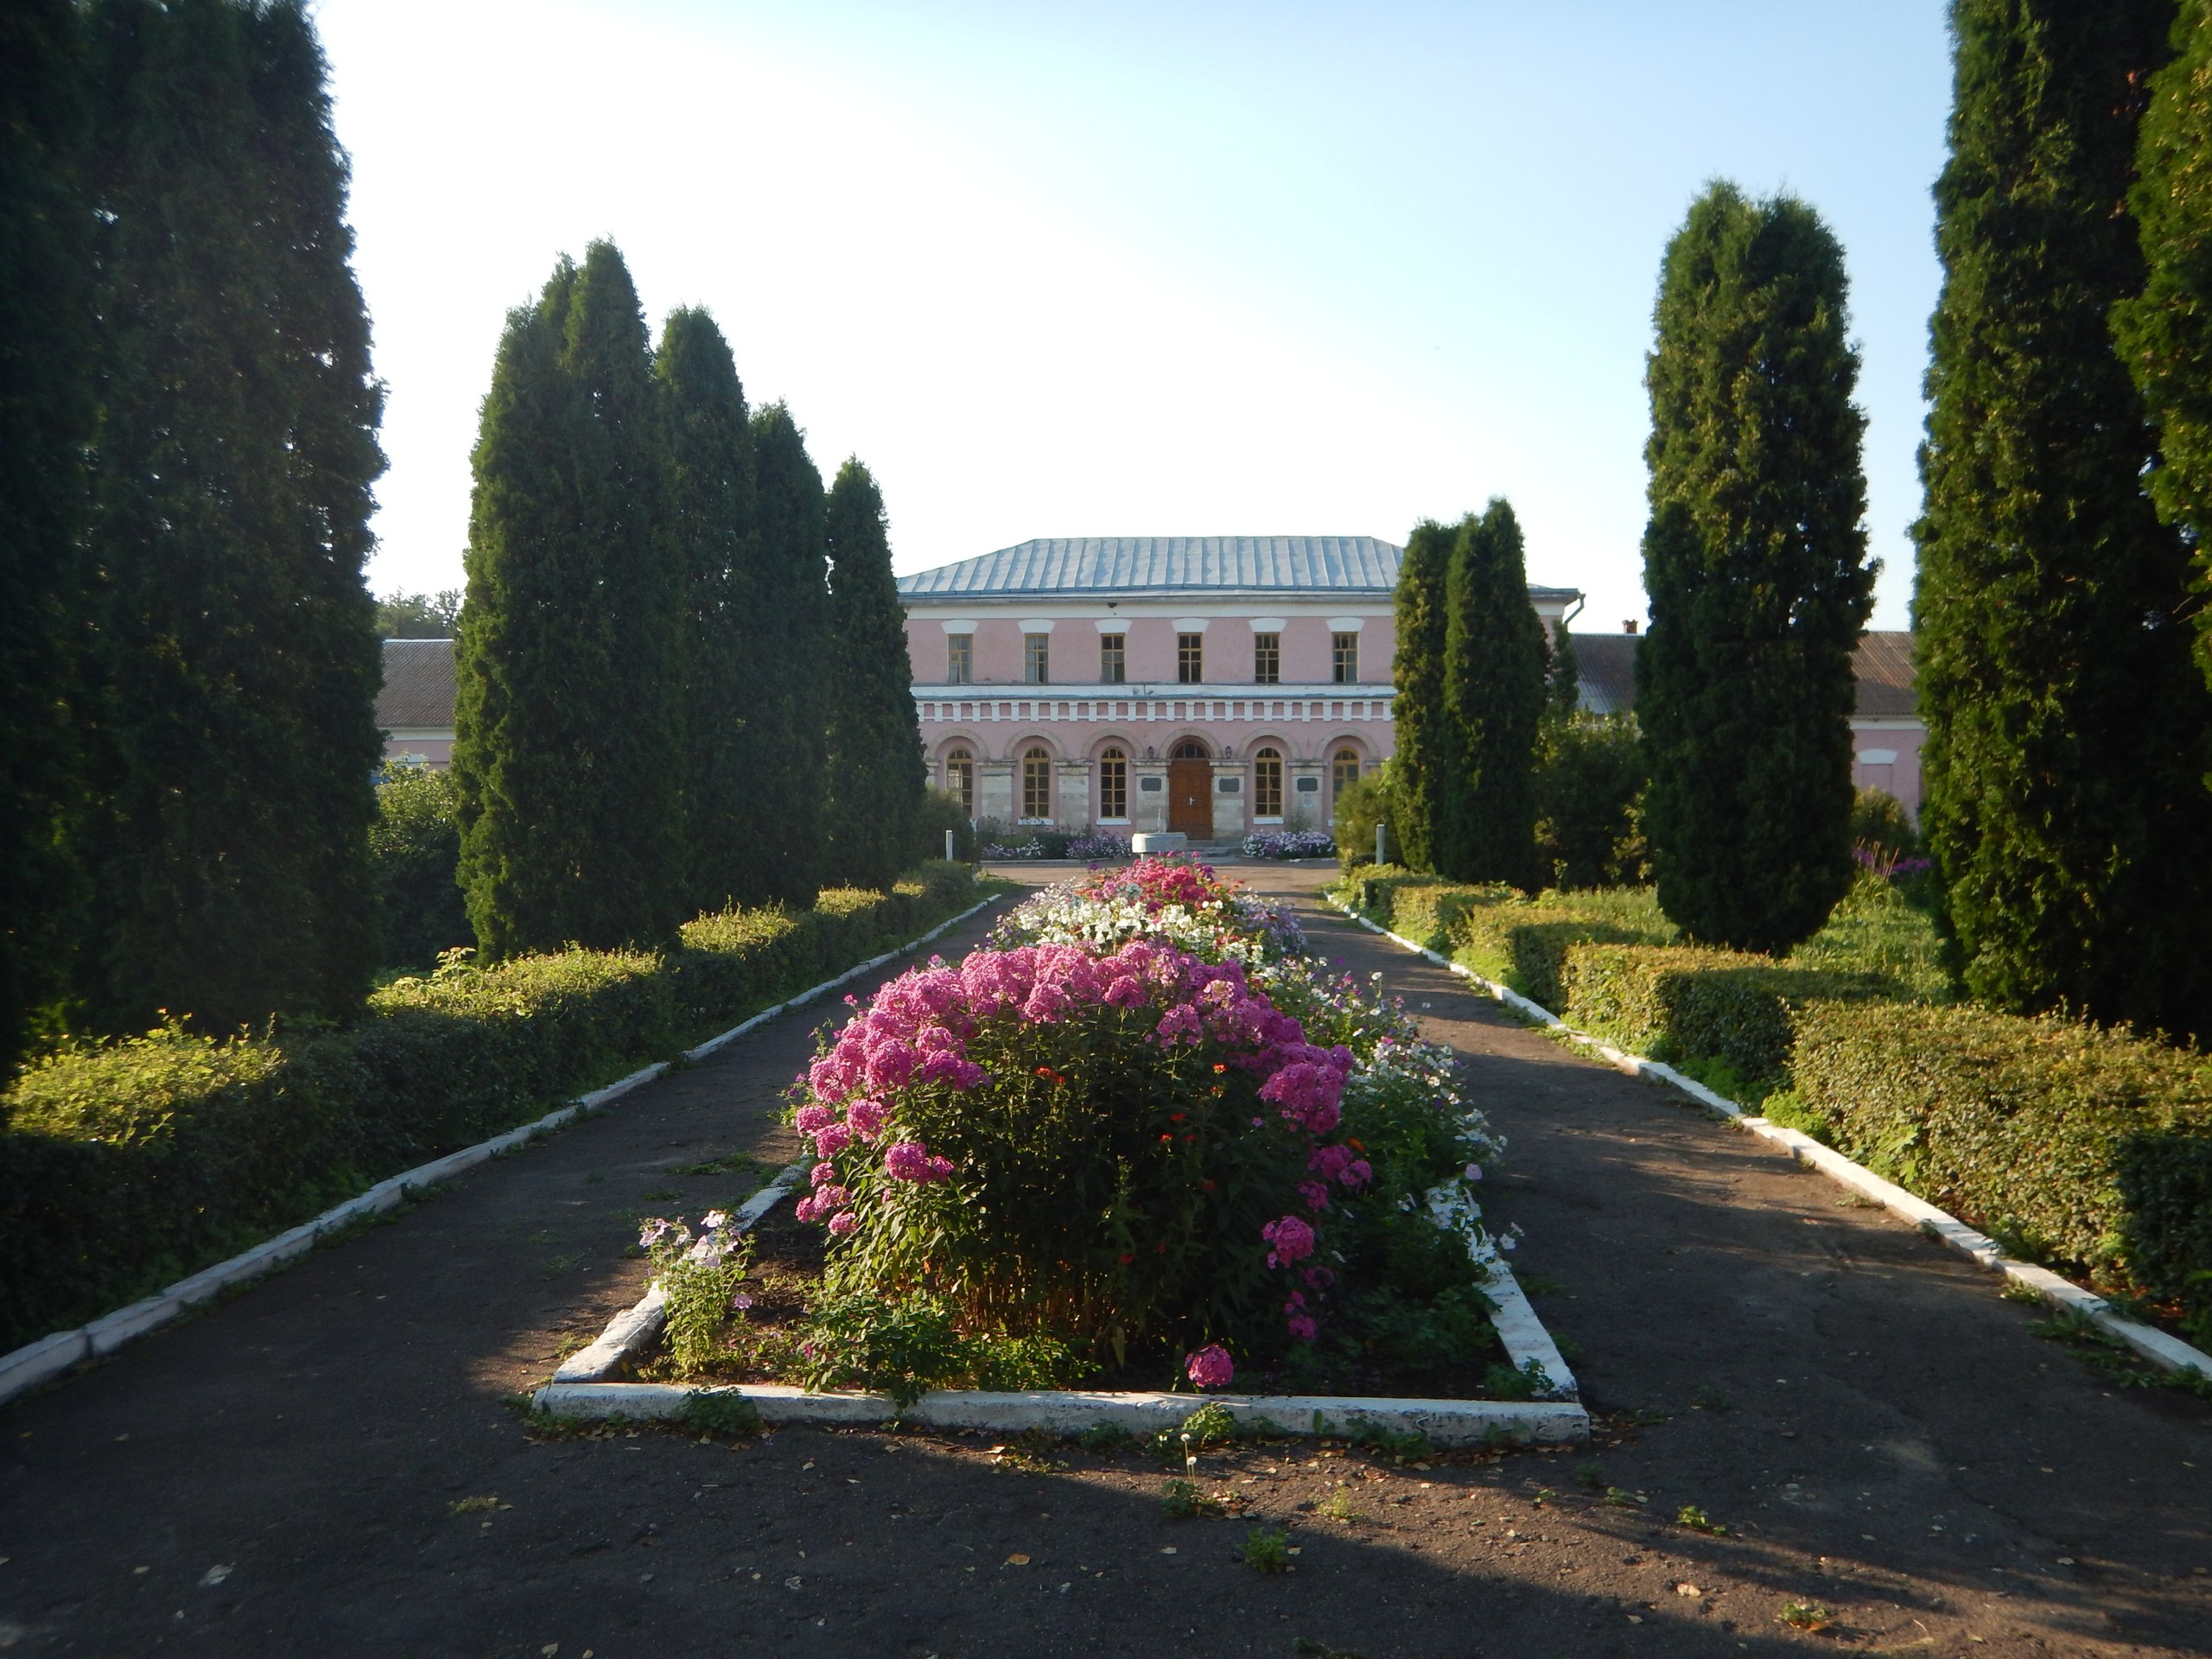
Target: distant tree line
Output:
{"points": [[682, 663]]}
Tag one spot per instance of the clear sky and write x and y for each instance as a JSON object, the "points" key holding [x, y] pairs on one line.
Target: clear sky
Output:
{"points": [[1139, 268]]}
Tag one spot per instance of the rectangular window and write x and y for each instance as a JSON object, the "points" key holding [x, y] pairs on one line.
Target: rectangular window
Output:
{"points": [[959, 658], [1344, 649], [1267, 658], [1113, 659], [1037, 787], [1191, 659], [1113, 785], [1266, 785], [1036, 662]]}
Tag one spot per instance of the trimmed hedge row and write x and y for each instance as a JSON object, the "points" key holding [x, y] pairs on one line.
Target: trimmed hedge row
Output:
{"points": [[123, 1168], [1526, 943], [2068, 1143]]}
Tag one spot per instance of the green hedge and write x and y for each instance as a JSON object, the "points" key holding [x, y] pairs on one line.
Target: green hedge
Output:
{"points": [[1426, 909], [2090, 1148], [1524, 943], [1684, 1004], [127, 1165]]}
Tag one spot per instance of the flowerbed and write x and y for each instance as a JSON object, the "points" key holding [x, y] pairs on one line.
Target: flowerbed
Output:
{"points": [[1291, 844], [1144, 1136]]}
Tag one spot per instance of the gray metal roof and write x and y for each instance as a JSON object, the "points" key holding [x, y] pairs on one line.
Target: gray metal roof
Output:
{"points": [[418, 685], [1160, 564]]}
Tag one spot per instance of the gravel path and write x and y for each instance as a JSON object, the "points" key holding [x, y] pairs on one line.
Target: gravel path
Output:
{"points": [[1876, 1428]]}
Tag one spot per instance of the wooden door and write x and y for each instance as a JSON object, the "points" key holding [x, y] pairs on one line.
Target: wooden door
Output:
{"points": [[1189, 806]]}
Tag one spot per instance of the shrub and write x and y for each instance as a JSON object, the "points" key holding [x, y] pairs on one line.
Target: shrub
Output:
{"points": [[1880, 826], [414, 868], [1361, 805], [1591, 775], [940, 811], [126, 1165], [1524, 942], [2090, 1146]]}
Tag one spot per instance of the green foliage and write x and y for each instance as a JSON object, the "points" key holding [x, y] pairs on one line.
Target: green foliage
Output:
{"points": [[566, 745], [1754, 563], [2165, 333], [1523, 943], [1494, 696], [721, 1412], [876, 776], [1881, 826], [414, 867], [941, 810], [47, 411], [1369, 800], [2094, 1145], [235, 655], [1427, 755], [2068, 732], [730, 649], [1562, 673], [418, 616], [1877, 930], [1186, 1500], [1266, 1549], [906, 1345], [127, 1165], [1591, 776], [786, 782]]}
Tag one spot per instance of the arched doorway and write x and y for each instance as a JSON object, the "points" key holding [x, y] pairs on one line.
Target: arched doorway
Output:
{"points": [[1190, 789]]}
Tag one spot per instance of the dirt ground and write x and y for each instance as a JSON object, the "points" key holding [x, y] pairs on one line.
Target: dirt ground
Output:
{"points": [[1877, 1431]]}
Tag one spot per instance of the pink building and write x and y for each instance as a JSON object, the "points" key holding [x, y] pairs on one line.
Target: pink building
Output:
{"points": [[1213, 685]]}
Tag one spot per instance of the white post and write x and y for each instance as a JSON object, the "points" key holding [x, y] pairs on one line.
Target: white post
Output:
{"points": [[948, 845], [1379, 829]]}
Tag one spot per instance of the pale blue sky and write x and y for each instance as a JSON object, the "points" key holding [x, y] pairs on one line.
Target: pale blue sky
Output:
{"points": [[1141, 269]]}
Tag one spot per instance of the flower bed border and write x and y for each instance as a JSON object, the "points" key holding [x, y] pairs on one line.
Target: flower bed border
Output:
{"points": [[51, 1357], [579, 1391], [2168, 1353]]}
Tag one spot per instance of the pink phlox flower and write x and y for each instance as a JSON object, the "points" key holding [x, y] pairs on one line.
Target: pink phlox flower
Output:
{"points": [[1292, 1238], [1358, 1173], [843, 1222], [890, 1062], [945, 1065], [830, 1077], [1210, 1367], [831, 1140], [910, 1161], [741, 1301], [1301, 1326], [1315, 1194], [811, 1118], [807, 1208], [823, 1173], [1318, 1278], [1182, 1020], [865, 1118], [1329, 1162], [1125, 992], [1044, 1003]]}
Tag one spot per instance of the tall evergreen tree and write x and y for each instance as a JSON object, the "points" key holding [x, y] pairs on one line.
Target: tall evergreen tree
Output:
{"points": [[566, 746], [2067, 731], [1425, 757], [2166, 332], [231, 502], [1755, 565], [45, 417], [1494, 696], [792, 584], [729, 646], [877, 778]]}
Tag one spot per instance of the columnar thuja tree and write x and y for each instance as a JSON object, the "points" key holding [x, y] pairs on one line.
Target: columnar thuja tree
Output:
{"points": [[234, 735], [566, 750], [2166, 332], [1494, 695], [2069, 733], [876, 774], [1755, 566], [1424, 753], [729, 644], [792, 585], [46, 416]]}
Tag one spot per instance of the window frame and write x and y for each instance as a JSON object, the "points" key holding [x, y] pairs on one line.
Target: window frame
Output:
{"points": [[1267, 660], [1037, 775], [1036, 659], [1337, 781], [1344, 658], [1190, 659], [1267, 783], [960, 660], [1113, 785], [960, 778], [1113, 659]]}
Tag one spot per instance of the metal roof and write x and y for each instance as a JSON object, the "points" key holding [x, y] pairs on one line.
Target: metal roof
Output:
{"points": [[1321, 565], [418, 685], [1882, 666]]}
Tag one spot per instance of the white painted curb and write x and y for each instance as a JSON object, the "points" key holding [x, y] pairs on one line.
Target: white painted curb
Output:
{"points": [[50, 1356], [2167, 1352]]}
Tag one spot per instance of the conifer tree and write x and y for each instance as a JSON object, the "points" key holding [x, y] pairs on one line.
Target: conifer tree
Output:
{"points": [[235, 734], [877, 778], [1755, 566], [792, 582], [568, 657], [1494, 696], [2166, 332], [46, 417], [2069, 733], [728, 644], [1424, 754]]}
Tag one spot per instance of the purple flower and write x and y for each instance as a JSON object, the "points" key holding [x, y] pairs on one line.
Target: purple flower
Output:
{"points": [[741, 1301], [1210, 1367], [1358, 1172], [1315, 1194], [1301, 1326], [1292, 1238], [910, 1161]]}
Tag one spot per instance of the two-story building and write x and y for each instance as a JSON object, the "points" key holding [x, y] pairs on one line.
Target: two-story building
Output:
{"points": [[1210, 684]]}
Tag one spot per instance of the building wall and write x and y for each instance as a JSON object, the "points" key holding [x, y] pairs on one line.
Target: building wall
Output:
{"points": [[1000, 657], [1887, 756]]}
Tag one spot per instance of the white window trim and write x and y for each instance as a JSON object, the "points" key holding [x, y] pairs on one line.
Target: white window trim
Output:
{"points": [[1346, 624], [1267, 624], [1036, 625], [1112, 625], [958, 627]]}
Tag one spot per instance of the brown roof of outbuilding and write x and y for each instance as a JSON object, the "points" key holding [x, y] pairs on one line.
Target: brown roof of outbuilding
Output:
{"points": [[1605, 665], [418, 686]]}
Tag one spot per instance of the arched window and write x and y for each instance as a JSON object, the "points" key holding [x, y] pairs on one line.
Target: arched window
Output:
{"points": [[1189, 749], [1036, 786], [1343, 770], [960, 778], [1113, 785], [1266, 784]]}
